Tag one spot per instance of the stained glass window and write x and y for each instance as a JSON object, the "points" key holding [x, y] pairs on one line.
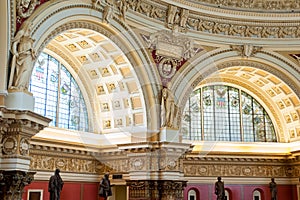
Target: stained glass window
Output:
{"points": [[224, 113], [57, 95]]}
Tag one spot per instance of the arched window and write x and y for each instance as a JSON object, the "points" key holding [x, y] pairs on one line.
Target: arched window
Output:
{"points": [[227, 195], [224, 113], [256, 195], [192, 195], [57, 95]]}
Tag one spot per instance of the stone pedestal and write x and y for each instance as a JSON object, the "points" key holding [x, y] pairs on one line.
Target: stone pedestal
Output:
{"points": [[19, 101], [16, 130], [155, 170], [169, 135]]}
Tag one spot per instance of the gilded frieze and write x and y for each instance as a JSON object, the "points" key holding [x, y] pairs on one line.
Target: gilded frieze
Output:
{"points": [[43, 162], [240, 170]]}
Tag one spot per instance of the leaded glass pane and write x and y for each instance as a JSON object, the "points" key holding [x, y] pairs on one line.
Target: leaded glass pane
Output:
{"points": [[208, 113], [225, 110], [234, 115], [186, 119], [221, 112], [195, 114], [247, 116], [57, 95], [270, 132]]}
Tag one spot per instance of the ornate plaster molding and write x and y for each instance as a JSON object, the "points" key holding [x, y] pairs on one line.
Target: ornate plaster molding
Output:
{"points": [[253, 5], [246, 50], [186, 19], [25, 8]]}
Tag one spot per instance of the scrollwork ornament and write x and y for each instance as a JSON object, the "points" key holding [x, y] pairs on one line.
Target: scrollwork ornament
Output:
{"points": [[25, 8], [24, 146], [10, 145]]}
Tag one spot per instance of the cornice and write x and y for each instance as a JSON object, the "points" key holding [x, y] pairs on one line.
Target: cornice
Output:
{"points": [[276, 6], [231, 23]]}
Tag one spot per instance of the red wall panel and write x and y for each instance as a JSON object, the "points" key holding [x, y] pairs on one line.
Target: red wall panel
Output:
{"points": [[242, 192], [71, 190]]}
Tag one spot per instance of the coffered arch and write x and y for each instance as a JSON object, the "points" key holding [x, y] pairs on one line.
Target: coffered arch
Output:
{"points": [[62, 18], [269, 79]]}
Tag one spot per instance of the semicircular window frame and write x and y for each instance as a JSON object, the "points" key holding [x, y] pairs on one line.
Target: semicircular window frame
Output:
{"points": [[225, 113], [65, 106]]}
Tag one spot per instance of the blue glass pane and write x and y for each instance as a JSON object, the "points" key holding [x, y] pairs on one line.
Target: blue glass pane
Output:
{"points": [[57, 95]]}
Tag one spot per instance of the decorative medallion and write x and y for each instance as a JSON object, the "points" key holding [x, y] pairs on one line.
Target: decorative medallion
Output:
{"points": [[24, 146], [10, 145]]}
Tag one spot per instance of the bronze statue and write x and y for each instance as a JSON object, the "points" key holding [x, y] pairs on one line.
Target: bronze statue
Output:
{"points": [[105, 187], [219, 189], [273, 189], [55, 185]]}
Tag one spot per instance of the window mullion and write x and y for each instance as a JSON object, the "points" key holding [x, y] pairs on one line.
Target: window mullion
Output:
{"points": [[58, 94], [241, 116]]}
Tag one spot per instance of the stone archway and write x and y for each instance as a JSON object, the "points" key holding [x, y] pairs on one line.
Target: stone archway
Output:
{"points": [[213, 68]]}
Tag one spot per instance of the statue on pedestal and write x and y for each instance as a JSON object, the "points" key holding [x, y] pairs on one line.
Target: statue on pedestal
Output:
{"points": [[168, 109], [23, 59]]}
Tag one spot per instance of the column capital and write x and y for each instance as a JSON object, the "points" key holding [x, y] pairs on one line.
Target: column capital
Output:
{"points": [[17, 127]]}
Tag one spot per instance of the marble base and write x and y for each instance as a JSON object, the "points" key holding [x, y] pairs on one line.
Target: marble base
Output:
{"points": [[19, 101], [21, 164], [169, 135]]}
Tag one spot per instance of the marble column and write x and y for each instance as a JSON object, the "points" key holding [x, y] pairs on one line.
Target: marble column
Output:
{"points": [[17, 127]]}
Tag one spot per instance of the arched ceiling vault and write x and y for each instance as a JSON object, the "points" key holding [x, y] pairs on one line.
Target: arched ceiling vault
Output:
{"points": [[108, 74]]}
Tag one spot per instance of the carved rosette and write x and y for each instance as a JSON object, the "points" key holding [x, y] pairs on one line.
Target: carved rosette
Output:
{"points": [[12, 184]]}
